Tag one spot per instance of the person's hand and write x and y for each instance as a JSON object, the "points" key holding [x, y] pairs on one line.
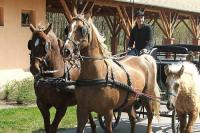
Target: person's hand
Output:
{"points": [[144, 51], [129, 49]]}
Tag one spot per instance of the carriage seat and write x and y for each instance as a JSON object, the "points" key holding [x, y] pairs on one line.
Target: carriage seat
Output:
{"points": [[153, 52]]}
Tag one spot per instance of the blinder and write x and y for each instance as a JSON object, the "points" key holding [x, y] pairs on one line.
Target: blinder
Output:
{"points": [[29, 44], [84, 31]]}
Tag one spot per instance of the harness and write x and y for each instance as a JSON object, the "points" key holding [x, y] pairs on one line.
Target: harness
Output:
{"points": [[111, 81]]}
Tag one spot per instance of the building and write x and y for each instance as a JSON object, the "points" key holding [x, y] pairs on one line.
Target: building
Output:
{"points": [[15, 17]]}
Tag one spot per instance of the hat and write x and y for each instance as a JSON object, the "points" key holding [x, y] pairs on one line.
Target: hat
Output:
{"points": [[139, 13]]}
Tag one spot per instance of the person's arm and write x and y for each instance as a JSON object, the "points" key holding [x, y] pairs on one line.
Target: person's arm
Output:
{"points": [[149, 38], [131, 40]]}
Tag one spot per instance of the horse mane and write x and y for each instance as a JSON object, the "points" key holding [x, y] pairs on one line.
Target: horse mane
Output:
{"points": [[101, 39], [189, 69], [188, 66]]}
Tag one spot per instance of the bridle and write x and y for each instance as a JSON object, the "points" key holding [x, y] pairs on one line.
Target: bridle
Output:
{"points": [[76, 44], [43, 61]]}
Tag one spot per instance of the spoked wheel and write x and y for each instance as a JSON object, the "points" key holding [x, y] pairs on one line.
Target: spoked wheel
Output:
{"points": [[116, 118], [141, 114], [175, 122]]}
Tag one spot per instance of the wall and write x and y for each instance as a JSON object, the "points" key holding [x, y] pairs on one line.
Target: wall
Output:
{"points": [[14, 37]]}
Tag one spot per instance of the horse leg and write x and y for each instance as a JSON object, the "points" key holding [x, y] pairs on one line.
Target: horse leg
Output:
{"points": [[92, 123], [108, 121], [148, 107], [44, 109], [182, 118], [82, 118], [192, 118], [60, 112], [132, 117]]}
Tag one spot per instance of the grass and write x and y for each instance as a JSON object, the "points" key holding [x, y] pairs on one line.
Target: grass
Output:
{"points": [[29, 119]]}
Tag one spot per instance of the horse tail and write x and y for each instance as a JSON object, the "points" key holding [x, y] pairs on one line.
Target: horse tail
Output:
{"points": [[155, 103]]}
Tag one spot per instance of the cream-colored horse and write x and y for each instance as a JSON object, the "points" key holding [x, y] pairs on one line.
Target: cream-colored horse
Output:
{"points": [[184, 93], [105, 85]]}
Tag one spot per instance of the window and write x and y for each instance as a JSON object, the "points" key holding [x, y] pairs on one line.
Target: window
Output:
{"points": [[27, 17], [1, 17]]}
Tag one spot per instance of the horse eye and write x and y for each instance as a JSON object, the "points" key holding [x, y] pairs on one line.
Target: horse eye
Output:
{"points": [[66, 30], [84, 31]]}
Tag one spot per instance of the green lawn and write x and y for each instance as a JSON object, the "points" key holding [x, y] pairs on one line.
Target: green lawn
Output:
{"points": [[29, 119]]}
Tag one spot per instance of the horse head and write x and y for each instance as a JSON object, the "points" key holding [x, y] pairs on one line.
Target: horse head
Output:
{"points": [[83, 38], [45, 48], [173, 73]]}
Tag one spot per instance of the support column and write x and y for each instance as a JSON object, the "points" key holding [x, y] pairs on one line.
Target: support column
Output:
{"points": [[194, 28], [114, 29], [169, 21], [168, 41], [196, 41], [114, 44]]}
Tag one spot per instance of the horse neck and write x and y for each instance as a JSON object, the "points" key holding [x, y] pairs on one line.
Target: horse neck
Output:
{"points": [[94, 66]]}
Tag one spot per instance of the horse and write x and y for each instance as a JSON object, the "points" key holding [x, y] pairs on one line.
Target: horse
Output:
{"points": [[46, 61], [184, 94], [106, 85]]}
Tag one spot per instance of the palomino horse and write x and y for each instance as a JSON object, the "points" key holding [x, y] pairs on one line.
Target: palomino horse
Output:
{"points": [[184, 93], [46, 61], [105, 85]]}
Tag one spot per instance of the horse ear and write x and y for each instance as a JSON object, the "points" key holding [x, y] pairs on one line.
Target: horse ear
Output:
{"points": [[180, 72], [89, 13], [60, 44], [32, 28], [166, 69], [48, 29]]}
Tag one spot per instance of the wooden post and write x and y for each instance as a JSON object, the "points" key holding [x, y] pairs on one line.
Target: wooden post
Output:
{"points": [[114, 44], [196, 41], [114, 29], [168, 41]]}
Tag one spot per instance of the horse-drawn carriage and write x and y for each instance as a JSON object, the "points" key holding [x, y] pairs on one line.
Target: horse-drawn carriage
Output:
{"points": [[106, 81]]}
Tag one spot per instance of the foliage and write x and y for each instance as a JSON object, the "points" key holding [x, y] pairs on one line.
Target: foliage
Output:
{"points": [[20, 91]]}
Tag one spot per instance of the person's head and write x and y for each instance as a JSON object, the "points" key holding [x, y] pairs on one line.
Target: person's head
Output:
{"points": [[139, 17]]}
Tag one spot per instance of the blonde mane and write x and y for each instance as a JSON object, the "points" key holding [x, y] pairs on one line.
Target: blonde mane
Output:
{"points": [[189, 69], [174, 68], [101, 39]]}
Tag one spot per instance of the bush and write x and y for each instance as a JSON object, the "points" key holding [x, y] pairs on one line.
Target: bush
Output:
{"points": [[20, 91]]}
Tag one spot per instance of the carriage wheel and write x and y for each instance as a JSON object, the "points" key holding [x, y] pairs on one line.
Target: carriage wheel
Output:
{"points": [[175, 122], [141, 114], [116, 118]]}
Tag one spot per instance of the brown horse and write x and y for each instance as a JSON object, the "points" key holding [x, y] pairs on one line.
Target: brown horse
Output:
{"points": [[184, 93], [46, 61], [105, 85]]}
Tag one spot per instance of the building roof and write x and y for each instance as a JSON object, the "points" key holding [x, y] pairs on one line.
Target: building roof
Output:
{"points": [[181, 5]]}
